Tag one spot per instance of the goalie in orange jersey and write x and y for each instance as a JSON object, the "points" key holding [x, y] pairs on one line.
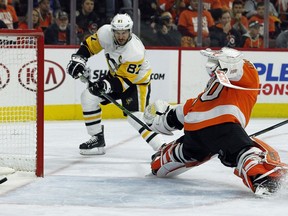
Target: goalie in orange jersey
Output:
{"points": [[214, 124]]}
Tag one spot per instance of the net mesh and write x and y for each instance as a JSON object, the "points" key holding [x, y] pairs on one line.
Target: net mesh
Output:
{"points": [[18, 102]]}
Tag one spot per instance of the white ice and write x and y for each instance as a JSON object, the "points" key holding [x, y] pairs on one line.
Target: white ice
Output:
{"points": [[118, 183]]}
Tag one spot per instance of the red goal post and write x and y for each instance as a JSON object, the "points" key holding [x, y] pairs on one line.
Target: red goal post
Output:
{"points": [[22, 101]]}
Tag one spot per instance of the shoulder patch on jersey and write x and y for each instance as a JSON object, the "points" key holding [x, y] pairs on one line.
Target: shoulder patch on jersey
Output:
{"points": [[105, 35]]}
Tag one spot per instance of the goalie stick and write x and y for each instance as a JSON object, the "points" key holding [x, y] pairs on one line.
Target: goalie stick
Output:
{"points": [[269, 128], [3, 180]]}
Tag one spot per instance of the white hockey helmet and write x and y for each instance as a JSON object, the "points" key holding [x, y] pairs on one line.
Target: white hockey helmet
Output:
{"points": [[226, 58], [122, 22]]}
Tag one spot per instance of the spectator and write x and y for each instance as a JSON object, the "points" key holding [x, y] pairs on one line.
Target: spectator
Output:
{"points": [[282, 40], [282, 6], [188, 25], [227, 4], [250, 7], [8, 15], [20, 6], [166, 5], [54, 5], [259, 16], [59, 32], [172, 6], [92, 29], [252, 39], [212, 4], [148, 9], [35, 21], [3, 25], [149, 13], [166, 31], [113, 7], [85, 18], [46, 18], [223, 34], [214, 7], [239, 21]]}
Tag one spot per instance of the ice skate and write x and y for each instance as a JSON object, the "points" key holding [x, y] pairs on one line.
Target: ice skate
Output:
{"points": [[94, 146], [266, 186]]}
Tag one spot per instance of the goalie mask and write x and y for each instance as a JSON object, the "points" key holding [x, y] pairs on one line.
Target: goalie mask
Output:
{"points": [[211, 66], [227, 59], [122, 25]]}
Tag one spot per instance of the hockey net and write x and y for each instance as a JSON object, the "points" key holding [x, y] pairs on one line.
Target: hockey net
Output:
{"points": [[21, 101]]}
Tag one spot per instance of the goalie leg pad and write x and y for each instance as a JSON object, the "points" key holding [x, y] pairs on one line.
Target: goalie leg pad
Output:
{"points": [[171, 169], [261, 169], [169, 161]]}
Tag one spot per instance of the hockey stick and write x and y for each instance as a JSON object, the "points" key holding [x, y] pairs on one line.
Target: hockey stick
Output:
{"points": [[112, 100], [3, 180], [127, 112], [269, 128]]}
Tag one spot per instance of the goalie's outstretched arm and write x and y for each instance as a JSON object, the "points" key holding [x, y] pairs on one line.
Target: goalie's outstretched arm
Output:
{"points": [[163, 118]]}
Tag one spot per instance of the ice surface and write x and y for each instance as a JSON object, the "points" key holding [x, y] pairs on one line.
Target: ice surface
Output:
{"points": [[118, 183]]}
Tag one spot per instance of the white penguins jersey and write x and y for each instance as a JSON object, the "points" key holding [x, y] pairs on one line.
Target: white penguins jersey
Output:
{"points": [[127, 62]]}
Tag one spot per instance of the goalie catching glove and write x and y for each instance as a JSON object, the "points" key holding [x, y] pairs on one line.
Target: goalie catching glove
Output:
{"points": [[76, 66], [161, 118]]}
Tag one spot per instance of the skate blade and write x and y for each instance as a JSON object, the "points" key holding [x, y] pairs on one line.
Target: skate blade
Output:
{"points": [[94, 151], [262, 192]]}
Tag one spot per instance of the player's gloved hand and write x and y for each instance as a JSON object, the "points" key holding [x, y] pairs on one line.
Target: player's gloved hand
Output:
{"points": [[76, 66], [86, 75], [99, 87]]}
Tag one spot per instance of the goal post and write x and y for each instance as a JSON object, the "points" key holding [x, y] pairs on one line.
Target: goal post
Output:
{"points": [[22, 101]]}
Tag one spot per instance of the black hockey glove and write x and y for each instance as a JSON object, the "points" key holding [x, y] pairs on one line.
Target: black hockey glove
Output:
{"points": [[99, 87], [76, 66]]}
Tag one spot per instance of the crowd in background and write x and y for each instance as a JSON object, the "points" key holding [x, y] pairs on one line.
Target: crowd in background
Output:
{"points": [[231, 23]]}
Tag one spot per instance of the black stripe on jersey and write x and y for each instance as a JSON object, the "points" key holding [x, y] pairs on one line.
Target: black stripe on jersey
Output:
{"points": [[127, 81], [92, 112], [92, 123], [84, 50]]}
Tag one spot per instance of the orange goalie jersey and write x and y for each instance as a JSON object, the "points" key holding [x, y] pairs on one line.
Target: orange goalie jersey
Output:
{"points": [[234, 105]]}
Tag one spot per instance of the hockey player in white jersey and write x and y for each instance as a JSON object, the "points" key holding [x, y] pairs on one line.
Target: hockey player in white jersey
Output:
{"points": [[128, 79]]}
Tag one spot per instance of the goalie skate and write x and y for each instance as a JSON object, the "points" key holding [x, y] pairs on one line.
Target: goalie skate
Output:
{"points": [[95, 145], [266, 186], [261, 169]]}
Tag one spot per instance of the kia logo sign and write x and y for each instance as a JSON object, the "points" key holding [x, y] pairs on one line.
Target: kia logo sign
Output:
{"points": [[54, 75], [27, 76], [4, 76]]}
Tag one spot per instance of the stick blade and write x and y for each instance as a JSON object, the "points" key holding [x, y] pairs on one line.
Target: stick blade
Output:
{"points": [[3, 180]]}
